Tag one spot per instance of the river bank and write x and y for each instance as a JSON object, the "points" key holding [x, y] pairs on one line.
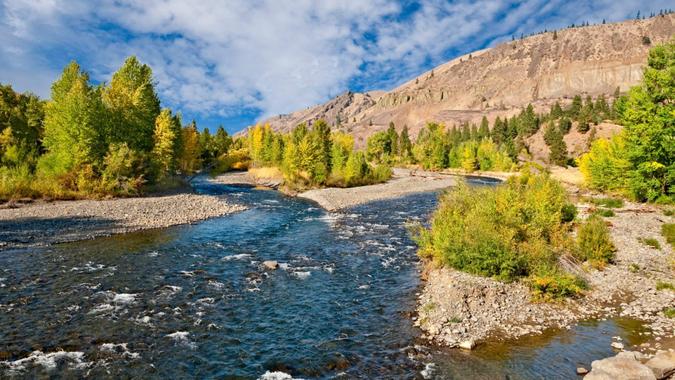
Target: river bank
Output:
{"points": [[460, 310], [44, 223]]}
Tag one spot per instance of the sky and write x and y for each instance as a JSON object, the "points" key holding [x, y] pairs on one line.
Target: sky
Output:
{"points": [[236, 62]]}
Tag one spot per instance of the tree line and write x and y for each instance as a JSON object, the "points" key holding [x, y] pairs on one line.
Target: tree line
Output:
{"points": [[89, 140], [313, 156]]}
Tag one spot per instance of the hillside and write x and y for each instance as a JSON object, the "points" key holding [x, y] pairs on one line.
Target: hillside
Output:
{"points": [[499, 81]]}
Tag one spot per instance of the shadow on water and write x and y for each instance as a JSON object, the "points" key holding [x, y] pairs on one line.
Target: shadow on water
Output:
{"points": [[194, 301]]}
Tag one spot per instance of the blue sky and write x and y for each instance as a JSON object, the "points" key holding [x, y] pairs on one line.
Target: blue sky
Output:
{"points": [[237, 61]]}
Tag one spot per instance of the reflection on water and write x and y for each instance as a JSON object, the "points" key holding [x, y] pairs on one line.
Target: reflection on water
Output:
{"points": [[193, 301]]}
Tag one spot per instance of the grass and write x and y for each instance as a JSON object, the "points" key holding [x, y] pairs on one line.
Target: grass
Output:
{"points": [[607, 202], [662, 285], [633, 268], [668, 232], [669, 312], [669, 212], [650, 242], [604, 212]]}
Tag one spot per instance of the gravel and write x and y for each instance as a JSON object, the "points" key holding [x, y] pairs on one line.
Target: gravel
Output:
{"points": [[42, 223]]}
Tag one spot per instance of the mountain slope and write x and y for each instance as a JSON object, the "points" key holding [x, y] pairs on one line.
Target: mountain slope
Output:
{"points": [[499, 81]]}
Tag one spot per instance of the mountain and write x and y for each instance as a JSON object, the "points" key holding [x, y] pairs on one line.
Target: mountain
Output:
{"points": [[498, 81]]}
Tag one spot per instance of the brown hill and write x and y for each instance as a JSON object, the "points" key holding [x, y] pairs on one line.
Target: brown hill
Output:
{"points": [[499, 81]]}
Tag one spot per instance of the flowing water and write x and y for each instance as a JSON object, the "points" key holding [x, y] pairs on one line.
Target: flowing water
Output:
{"points": [[193, 302]]}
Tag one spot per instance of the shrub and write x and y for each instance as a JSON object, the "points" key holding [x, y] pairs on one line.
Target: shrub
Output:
{"points": [[605, 165], [669, 312], [662, 285], [594, 243], [650, 242], [508, 232], [607, 202], [555, 286], [568, 213], [381, 173], [668, 232], [604, 212], [634, 268]]}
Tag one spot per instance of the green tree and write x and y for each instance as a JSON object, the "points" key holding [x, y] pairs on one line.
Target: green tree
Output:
{"points": [[166, 142], [484, 130], [405, 144], [393, 140], [73, 119], [379, 147], [221, 141], [189, 161], [133, 105]]}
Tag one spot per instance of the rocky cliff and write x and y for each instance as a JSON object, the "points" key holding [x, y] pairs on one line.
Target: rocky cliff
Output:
{"points": [[499, 81]]}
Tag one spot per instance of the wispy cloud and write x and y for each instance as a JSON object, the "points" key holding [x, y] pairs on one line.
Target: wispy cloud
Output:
{"points": [[219, 58]]}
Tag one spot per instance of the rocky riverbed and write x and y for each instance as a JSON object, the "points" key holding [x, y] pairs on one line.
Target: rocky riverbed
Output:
{"points": [[41, 223], [460, 310]]}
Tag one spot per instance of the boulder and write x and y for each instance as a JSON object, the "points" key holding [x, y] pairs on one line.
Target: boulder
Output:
{"points": [[620, 367], [467, 344], [662, 364], [270, 264], [581, 371]]}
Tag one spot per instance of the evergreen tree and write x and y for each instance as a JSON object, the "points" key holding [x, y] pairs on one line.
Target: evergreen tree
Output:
{"points": [[575, 108], [393, 140], [556, 111], [405, 144], [484, 130], [499, 131], [221, 141], [529, 122]]}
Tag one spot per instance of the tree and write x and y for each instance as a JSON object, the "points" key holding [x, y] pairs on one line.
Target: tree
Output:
{"points": [[558, 148], [189, 156], [321, 131], [166, 142], [650, 127], [379, 147], [393, 139], [133, 104], [73, 135], [405, 144], [529, 122], [556, 111], [499, 131], [575, 108], [484, 130], [221, 141]]}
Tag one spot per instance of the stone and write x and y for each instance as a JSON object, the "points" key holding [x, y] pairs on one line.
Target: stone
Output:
{"points": [[662, 364], [270, 264], [467, 344], [622, 367], [581, 371], [617, 345]]}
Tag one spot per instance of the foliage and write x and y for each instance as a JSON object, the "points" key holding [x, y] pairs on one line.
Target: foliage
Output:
{"points": [[651, 242], [514, 230], [668, 232], [167, 136], [607, 202], [644, 153], [188, 159], [669, 312], [604, 212], [662, 285], [594, 243]]}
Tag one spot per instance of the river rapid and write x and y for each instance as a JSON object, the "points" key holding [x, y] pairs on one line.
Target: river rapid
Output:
{"points": [[194, 302]]}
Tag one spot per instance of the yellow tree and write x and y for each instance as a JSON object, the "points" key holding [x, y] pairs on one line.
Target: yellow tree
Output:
{"points": [[189, 157], [166, 142]]}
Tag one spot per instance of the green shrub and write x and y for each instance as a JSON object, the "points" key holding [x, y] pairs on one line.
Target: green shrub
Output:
{"points": [[594, 243], [668, 232], [568, 213], [604, 212], [555, 286], [650, 242], [669, 312], [662, 285], [508, 232], [607, 202], [634, 268], [381, 173], [669, 212]]}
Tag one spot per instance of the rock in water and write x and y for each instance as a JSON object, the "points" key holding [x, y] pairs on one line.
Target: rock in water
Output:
{"points": [[620, 367], [617, 345], [467, 344], [581, 371], [662, 364], [270, 264]]}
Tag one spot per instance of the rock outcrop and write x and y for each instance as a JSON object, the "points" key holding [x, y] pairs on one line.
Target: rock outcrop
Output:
{"points": [[499, 81]]}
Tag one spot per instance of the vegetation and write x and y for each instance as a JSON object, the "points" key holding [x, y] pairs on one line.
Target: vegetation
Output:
{"points": [[316, 156], [661, 285], [651, 242], [640, 162], [668, 232], [87, 140], [594, 244], [607, 202], [517, 230], [604, 212], [669, 312]]}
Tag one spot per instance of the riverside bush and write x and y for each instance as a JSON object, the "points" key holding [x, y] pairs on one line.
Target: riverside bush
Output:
{"points": [[515, 230], [594, 243]]}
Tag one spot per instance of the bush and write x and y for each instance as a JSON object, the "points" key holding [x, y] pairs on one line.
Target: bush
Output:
{"points": [[668, 232], [669, 312], [604, 167], [662, 285], [381, 173], [556, 286], [607, 202], [568, 212], [507, 232], [651, 242], [604, 212], [594, 243]]}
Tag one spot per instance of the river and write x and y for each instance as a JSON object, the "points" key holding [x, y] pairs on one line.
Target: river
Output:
{"points": [[193, 302]]}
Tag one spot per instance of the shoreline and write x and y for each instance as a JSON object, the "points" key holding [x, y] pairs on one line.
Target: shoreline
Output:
{"points": [[459, 310], [44, 223]]}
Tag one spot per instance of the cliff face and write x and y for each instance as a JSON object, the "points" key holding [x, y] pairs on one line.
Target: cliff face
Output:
{"points": [[499, 81]]}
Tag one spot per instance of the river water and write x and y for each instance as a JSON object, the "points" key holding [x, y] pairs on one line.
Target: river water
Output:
{"points": [[193, 302]]}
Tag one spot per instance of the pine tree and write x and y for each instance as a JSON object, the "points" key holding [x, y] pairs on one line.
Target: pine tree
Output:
{"points": [[393, 140], [484, 130], [405, 144], [222, 141]]}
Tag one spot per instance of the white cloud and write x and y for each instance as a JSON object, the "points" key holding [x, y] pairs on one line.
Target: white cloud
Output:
{"points": [[214, 57]]}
